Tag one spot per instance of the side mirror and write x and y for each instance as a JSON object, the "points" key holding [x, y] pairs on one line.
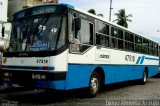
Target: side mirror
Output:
{"points": [[77, 24], [3, 30]]}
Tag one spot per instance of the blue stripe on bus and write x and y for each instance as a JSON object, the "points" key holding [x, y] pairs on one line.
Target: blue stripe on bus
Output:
{"points": [[142, 60], [148, 58], [138, 60]]}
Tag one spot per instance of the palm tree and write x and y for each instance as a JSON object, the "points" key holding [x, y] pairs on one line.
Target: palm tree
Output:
{"points": [[122, 18], [92, 11], [101, 15]]}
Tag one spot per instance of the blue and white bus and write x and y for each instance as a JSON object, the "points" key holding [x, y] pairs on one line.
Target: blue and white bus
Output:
{"points": [[57, 46], [159, 56]]}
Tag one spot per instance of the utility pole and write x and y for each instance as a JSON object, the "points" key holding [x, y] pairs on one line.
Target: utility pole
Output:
{"points": [[110, 10]]}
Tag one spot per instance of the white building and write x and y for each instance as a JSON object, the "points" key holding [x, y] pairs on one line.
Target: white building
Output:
{"points": [[3, 10]]}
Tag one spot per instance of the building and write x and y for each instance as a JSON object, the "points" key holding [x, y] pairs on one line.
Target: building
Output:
{"points": [[3, 11], [16, 5]]}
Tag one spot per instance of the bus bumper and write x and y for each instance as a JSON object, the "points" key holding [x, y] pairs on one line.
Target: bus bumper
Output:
{"points": [[48, 80]]}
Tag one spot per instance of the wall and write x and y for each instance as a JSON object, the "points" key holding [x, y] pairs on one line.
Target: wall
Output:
{"points": [[3, 10]]}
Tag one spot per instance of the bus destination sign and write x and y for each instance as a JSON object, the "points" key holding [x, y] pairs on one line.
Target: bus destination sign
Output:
{"points": [[43, 10], [39, 10]]}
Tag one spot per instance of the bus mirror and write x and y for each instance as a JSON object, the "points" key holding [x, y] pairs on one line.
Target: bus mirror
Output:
{"points": [[77, 24], [3, 30]]}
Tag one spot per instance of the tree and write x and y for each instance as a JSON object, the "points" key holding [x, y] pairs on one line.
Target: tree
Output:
{"points": [[92, 11], [122, 18], [101, 15]]}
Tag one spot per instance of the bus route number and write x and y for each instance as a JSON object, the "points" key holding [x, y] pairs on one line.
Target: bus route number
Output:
{"points": [[42, 61], [130, 58]]}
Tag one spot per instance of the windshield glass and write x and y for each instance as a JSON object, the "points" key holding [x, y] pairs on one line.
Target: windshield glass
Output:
{"points": [[43, 33]]}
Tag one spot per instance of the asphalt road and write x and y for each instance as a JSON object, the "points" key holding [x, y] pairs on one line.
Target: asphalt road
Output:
{"points": [[124, 94]]}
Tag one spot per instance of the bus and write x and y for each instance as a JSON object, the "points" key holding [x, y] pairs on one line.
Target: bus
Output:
{"points": [[61, 47], [159, 57]]}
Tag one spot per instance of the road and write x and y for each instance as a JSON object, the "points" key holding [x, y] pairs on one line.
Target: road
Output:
{"points": [[129, 93]]}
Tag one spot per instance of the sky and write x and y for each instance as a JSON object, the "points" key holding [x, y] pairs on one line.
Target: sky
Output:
{"points": [[146, 13]]}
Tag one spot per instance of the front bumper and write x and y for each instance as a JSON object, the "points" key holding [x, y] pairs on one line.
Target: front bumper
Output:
{"points": [[38, 79]]}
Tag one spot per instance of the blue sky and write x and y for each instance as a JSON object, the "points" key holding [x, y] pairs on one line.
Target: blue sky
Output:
{"points": [[146, 13]]}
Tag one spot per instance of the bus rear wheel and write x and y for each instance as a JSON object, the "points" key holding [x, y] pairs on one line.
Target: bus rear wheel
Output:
{"points": [[144, 79], [94, 85]]}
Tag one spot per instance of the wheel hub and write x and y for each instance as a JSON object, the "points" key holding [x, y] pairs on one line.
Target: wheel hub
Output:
{"points": [[94, 84]]}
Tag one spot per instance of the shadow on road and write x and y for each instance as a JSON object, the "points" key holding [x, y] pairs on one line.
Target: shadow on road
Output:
{"points": [[43, 97]]}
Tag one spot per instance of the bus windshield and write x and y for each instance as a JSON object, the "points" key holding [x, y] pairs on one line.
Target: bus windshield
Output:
{"points": [[41, 33]]}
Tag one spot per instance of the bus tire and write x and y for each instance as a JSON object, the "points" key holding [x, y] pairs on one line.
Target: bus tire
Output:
{"points": [[94, 85], [144, 79]]}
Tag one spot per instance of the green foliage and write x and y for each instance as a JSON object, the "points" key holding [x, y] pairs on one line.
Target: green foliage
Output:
{"points": [[122, 18], [92, 11]]}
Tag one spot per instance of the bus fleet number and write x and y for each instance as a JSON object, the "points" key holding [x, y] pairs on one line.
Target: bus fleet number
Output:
{"points": [[42, 61], [130, 58]]}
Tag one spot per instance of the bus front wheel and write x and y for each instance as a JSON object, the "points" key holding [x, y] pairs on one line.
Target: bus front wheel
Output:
{"points": [[94, 84]]}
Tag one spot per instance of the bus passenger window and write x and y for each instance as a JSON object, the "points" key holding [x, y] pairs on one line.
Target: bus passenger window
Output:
{"points": [[102, 40], [85, 34], [114, 32], [102, 28], [120, 44], [84, 38], [114, 43]]}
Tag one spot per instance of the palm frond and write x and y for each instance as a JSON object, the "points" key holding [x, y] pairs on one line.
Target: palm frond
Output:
{"points": [[122, 18], [115, 20], [129, 20]]}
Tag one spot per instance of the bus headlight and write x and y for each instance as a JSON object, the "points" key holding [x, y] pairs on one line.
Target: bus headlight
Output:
{"points": [[4, 61]]}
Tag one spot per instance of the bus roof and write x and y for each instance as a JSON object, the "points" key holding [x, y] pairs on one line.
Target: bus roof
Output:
{"points": [[92, 15]]}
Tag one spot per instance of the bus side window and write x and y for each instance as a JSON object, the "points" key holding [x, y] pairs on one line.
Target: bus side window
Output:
{"points": [[85, 34], [138, 44], [129, 41], [102, 40], [114, 33], [102, 34], [84, 38]]}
